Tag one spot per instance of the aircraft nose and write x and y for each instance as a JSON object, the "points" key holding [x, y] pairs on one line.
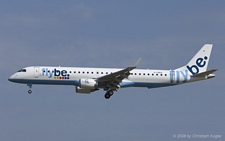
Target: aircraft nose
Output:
{"points": [[11, 78]]}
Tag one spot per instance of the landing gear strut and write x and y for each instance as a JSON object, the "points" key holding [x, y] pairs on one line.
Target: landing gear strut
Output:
{"points": [[109, 94], [30, 88]]}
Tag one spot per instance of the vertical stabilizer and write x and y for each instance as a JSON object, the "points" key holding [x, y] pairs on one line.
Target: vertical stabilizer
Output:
{"points": [[199, 62]]}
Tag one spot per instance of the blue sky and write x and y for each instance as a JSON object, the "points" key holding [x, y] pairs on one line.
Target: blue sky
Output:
{"points": [[166, 34]]}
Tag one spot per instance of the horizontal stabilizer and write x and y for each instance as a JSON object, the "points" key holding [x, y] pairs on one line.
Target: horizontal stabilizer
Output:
{"points": [[206, 73]]}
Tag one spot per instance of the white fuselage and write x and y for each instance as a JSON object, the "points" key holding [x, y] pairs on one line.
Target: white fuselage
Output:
{"points": [[87, 80], [71, 76]]}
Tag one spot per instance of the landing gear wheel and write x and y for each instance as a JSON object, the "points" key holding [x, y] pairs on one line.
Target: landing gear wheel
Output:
{"points": [[110, 92], [29, 91], [107, 95]]}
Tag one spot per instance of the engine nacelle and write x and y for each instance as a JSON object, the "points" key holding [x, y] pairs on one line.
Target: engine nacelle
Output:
{"points": [[88, 83]]}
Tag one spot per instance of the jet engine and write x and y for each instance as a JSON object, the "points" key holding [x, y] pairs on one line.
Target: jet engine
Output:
{"points": [[88, 83], [86, 86]]}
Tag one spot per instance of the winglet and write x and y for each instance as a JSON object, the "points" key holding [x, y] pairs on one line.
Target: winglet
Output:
{"points": [[138, 61], [134, 66]]}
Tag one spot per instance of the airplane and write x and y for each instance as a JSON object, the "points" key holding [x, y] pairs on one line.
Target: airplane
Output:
{"points": [[87, 80]]}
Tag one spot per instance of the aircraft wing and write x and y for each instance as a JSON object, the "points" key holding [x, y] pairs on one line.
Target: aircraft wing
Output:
{"points": [[111, 81]]}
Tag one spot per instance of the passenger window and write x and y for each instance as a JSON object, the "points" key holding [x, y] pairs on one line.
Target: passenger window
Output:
{"points": [[74, 71]]}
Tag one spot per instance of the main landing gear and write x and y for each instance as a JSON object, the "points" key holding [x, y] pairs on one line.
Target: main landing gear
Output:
{"points": [[30, 88], [109, 94]]}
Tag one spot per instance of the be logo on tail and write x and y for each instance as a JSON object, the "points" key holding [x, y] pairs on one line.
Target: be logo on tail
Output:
{"points": [[200, 62]]}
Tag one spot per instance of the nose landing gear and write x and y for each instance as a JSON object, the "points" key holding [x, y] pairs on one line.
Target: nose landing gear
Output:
{"points": [[30, 88], [29, 91]]}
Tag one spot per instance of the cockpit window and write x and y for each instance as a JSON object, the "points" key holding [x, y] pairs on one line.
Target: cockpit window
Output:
{"points": [[22, 70]]}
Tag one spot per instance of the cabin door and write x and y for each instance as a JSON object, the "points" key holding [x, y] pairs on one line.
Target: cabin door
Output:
{"points": [[36, 72]]}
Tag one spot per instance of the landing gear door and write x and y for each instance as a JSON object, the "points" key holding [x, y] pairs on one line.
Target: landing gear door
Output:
{"points": [[36, 72]]}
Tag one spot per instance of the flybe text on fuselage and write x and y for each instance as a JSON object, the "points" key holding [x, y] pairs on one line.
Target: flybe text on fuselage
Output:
{"points": [[56, 74], [178, 76]]}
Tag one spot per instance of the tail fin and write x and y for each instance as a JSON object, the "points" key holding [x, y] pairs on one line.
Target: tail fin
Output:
{"points": [[199, 62]]}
